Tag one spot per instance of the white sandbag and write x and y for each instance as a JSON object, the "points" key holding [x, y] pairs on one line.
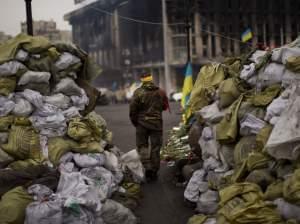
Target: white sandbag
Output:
{"points": [[287, 210], [80, 101], [278, 105], [208, 203], [10, 68], [197, 182], [284, 140], [80, 216], [257, 56], [111, 161], [208, 143], [47, 209], [34, 77], [248, 71], [250, 125], [281, 55], [59, 100], [68, 167], [66, 60], [22, 55], [3, 137], [89, 160], [271, 74], [22, 107], [51, 126], [210, 221], [103, 181], [46, 110], [71, 113], [75, 188], [68, 87], [6, 106], [33, 97], [115, 213], [211, 114], [131, 160], [211, 164]]}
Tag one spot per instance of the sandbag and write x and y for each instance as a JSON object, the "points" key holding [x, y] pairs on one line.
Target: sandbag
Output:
{"points": [[11, 68], [6, 122], [22, 107], [33, 97], [244, 147], [265, 97], [291, 188], [68, 87], [261, 177], [287, 210], [13, 206], [247, 72], [23, 143], [34, 77], [5, 159], [79, 130], [195, 133], [196, 183], [66, 60], [274, 191], [70, 113], [257, 160], [3, 137], [208, 203], [211, 113], [115, 213], [197, 219], [270, 75], [78, 215], [293, 64], [21, 55], [251, 125], [130, 160], [229, 90], [7, 85], [284, 139], [59, 100], [227, 155], [282, 54], [209, 146], [89, 160], [81, 101], [47, 209], [257, 56]]}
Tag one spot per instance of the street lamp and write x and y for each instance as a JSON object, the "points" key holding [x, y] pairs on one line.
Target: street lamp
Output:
{"points": [[29, 17]]}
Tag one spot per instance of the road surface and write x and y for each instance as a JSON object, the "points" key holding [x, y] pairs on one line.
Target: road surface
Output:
{"points": [[162, 202]]}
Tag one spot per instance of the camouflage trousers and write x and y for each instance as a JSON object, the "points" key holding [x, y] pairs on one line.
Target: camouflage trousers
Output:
{"points": [[149, 143]]}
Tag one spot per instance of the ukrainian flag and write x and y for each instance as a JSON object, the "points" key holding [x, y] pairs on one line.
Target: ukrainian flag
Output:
{"points": [[187, 86], [247, 35]]}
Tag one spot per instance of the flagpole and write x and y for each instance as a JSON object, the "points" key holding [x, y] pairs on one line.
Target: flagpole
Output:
{"points": [[29, 17]]}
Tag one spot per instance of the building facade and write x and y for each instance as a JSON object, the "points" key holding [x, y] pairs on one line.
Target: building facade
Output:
{"points": [[4, 37], [126, 37], [49, 30]]}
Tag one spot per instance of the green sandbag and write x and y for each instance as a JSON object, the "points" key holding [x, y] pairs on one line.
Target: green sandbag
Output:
{"points": [[293, 64], [207, 82], [5, 159], [42, 88], [227, 129], [248, 108], [97, 124], [267, 96], [23, 164], [229, 91], [245, 146], [34, 45], [263, 136], [257, 160], [6, 122], [22, 121], [7, 85], [274, 191], [13, 206], [79, 130], [291, 188], [133, 189], [197, 219], [23, 143]]}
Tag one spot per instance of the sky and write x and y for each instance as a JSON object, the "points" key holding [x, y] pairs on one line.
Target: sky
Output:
{"points": [[12, 13]]}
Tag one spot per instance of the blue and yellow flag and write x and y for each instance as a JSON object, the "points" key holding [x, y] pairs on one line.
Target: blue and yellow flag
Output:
{"points": [[247, 35], [187, 86]]}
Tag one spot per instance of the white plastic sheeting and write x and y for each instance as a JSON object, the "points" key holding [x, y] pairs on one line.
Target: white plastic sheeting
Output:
{"points": [[34, 77], [196, 183], [89, 160], [59, 100], [10, 68], [22, 107], [66, 60], [68, 87], [33, 97], [251, 125]]}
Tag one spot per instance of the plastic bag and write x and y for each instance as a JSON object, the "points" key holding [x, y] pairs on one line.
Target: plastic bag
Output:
{"points": [[6, 106], [59, 100], [78, 215], [196, 183], [115, 213], [80, 101], [34, 77], [211, 113], [76, 189], [22, 55], [11, 68], [287, 210], [68, 87], [22, 107], [46, 110], [70, 113], [251, 125], [89, 160], [103, 180], [131, 160], [66, 60]]}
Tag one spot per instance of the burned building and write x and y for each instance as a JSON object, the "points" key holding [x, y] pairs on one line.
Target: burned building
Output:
{"points": [[126, 37]]}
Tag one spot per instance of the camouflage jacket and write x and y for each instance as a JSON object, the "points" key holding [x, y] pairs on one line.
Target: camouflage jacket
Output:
{"points": [[147, 105]]}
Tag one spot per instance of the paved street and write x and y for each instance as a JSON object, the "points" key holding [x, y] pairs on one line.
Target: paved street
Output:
{"points": [[162, 202]]}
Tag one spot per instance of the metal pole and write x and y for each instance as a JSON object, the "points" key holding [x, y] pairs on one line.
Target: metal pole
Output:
{"points": [[29, 17], [168, 85]]}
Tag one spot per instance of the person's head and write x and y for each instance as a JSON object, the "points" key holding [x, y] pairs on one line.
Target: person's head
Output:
{"points": [[146, 77]]}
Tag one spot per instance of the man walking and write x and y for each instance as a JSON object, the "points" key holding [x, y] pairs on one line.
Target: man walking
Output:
{"points": [[146, 108]]}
